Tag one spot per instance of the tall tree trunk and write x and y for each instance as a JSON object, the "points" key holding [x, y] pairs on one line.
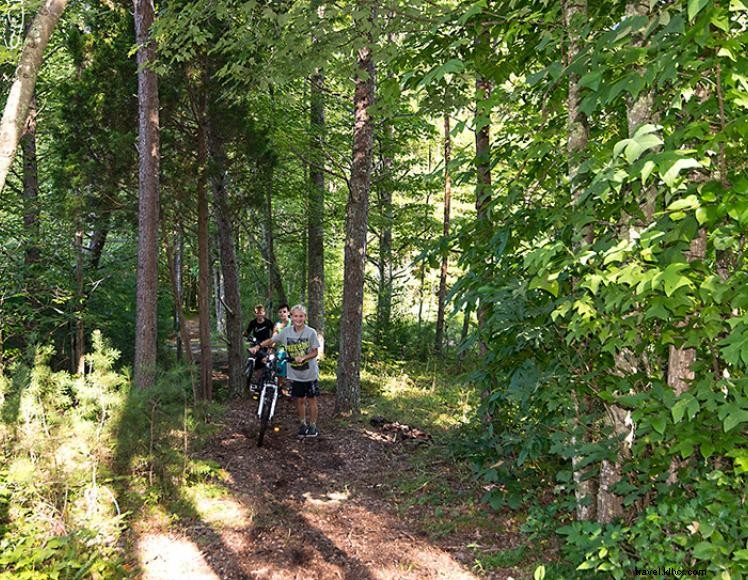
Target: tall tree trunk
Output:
{"points": [[617, 419], [229, 266], [275, 281], [219, 296], [148, 211], [575, 14], [483, 179], [442, 296], [351, 319], [30, 187], [316, 211], [205, 391], [79, 341], [22, 90], [385, 263], [175, 274]]}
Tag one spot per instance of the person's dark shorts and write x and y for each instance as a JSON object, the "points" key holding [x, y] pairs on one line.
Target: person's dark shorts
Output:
{"points": [[301, 389]]}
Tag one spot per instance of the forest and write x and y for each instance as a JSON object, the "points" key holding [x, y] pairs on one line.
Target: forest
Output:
{"points": [[518, 229]]}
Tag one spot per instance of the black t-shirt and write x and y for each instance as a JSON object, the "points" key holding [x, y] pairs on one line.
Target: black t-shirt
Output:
{"points": [[259, 331]]}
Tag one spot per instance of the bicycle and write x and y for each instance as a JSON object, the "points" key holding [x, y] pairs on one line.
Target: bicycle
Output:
{"points": [[268, 395]]}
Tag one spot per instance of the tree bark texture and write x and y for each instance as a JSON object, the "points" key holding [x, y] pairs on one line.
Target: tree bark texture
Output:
{"points": [[205, 391], [385, 263], [22, 89], [30, 187], [574, 15], [483, 181], [617, 419], [442, 295], [275, 282], [351, 319], [229, 266], [316, 211], [80, 339], [148, 208], [175, 267]]}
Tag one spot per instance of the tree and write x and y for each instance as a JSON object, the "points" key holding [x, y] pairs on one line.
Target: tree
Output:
{"points": [[351, 318], [148, 209], [22, 89], [316, 202], [442, 294]]}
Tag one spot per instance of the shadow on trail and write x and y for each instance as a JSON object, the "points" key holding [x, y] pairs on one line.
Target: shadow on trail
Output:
{"points": [[151, 464]]}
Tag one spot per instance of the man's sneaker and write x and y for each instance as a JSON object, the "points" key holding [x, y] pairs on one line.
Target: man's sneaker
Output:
{"points": [[312, 431], [303, 430]]}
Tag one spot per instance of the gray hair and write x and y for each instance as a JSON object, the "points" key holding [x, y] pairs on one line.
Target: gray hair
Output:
{"points": [[300, 307]]}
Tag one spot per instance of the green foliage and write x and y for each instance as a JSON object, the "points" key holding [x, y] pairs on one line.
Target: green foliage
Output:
{"points": [[60, 516], [703, 527]]}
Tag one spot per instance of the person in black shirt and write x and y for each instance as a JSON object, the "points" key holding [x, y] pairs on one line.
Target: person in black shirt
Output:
{"points": [[258, 329]]}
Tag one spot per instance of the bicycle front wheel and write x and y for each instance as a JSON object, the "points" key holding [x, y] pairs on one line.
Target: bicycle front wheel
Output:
{"points": [[264, 419]]}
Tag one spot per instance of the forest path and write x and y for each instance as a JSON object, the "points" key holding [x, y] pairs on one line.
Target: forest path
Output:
{"points": [[298, 509], [312, 508]]}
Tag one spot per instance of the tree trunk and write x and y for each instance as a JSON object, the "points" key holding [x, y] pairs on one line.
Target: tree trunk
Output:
{"points": [[22, 90], [229, 266], [98, 241], [173, 258], [205, 391], [79, 340], [618, 420], [442, 296], [219, 296], [575, 14], [30, 187], [316, 212], [274, 278], [351, 319], [483, 181], [681, 360], [385, 264], [146, 321]]}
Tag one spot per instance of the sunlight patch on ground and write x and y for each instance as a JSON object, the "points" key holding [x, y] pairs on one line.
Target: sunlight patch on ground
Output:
{"points": [[333, 498], [216, 508], [163, 556]]}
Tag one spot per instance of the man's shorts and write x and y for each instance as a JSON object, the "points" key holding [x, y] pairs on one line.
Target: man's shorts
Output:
{"points": [[301, 389]]}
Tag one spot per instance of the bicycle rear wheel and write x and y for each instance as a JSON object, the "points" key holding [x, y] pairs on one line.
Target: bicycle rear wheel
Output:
{"points": [[264, 419]]}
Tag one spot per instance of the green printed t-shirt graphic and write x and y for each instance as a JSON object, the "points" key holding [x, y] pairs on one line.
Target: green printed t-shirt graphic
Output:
{"points": [[299, 344]]}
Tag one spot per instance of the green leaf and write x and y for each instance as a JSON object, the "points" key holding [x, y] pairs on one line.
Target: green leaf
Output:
{"points": [[679, 409], [673, 278], [687, 203], [694, 7], [673, 166], [545, 283], [734, 419], [658, 424], [539, 573], [704, 550]]}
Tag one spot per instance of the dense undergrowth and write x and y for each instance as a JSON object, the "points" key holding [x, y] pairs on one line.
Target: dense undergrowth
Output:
{"points": [[81, 457]]}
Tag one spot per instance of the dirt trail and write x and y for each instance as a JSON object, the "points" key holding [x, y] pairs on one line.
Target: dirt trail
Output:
{"points": [[299, 509]]}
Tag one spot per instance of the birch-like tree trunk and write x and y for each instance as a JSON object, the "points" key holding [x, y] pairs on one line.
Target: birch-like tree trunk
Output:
{"points": [[385, 262], [21, 91], [575, 14], [483, 179], [351, 319], [442, 294], [148, 207]]}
